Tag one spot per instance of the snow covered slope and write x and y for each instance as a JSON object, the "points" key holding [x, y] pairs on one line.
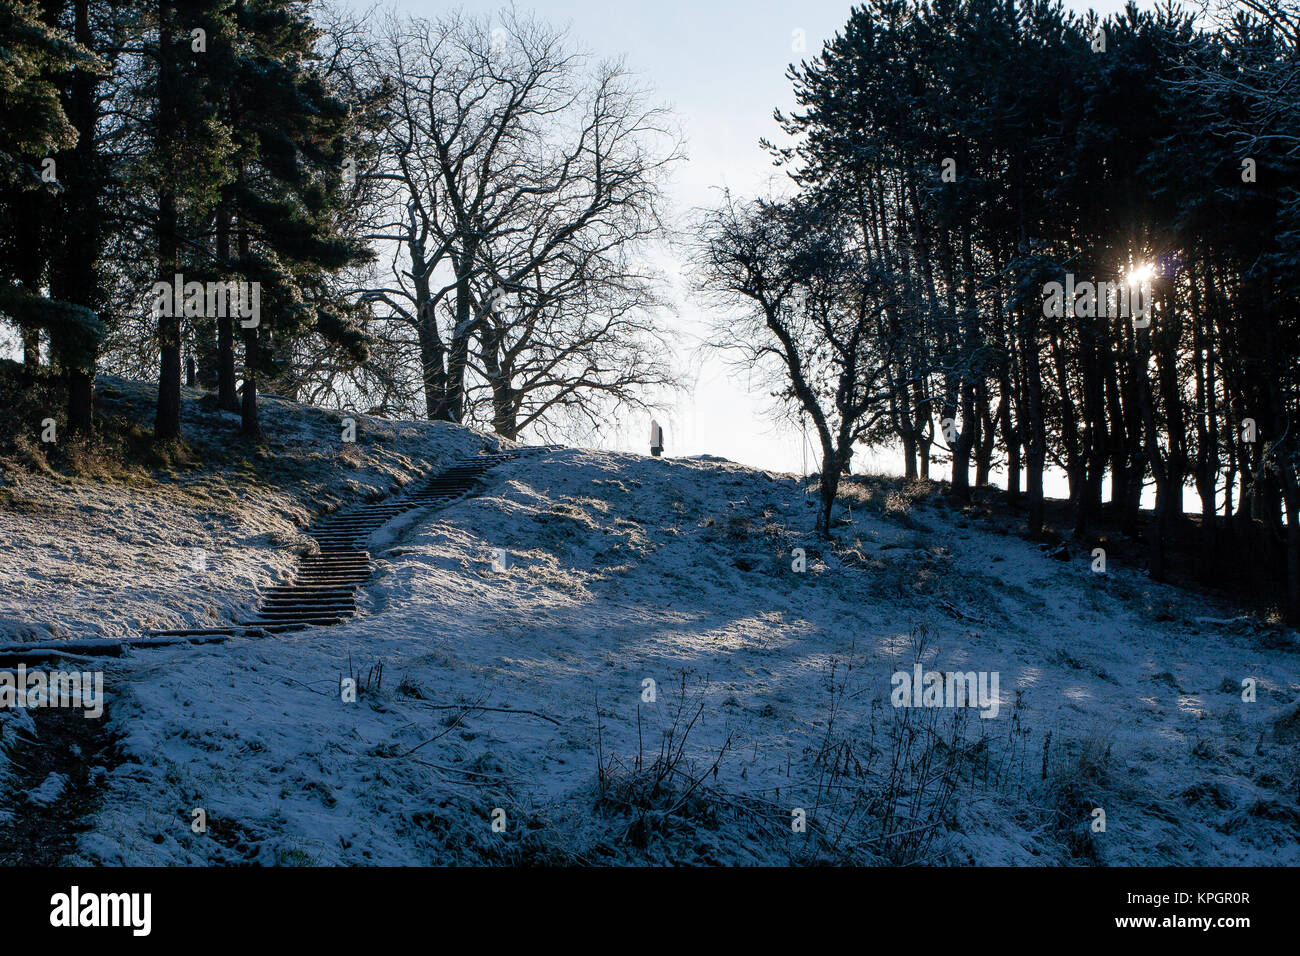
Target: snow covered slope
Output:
{"points": [[504, 654], [93, 558]]}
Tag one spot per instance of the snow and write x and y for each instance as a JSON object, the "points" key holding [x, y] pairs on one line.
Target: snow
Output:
{"points": [[103, 560], [95, 559], [517, 690], [49, 791]]}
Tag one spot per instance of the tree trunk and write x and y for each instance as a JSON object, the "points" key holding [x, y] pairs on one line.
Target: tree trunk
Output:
{"points": [[1293, 554], [452, 406], [1207, 438], [832, 468], [432, 357], [1160, 531], [31, 347], [1036, 452], [1093, 464], [986, 439], [227, 394], [1010, 438], [504, 420], [81, 401], [962, 447], [909, 456], [1160, 472], [76, 278], [167, 422], [249, 426], [1116, 449]]}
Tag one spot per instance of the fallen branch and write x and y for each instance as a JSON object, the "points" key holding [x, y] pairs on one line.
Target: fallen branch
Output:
{"points": [[961, 615], [109, 647], [450, 727], [495, 710]]}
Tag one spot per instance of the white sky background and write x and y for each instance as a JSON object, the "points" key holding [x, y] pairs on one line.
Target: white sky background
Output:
{"points": [[720, 66]]}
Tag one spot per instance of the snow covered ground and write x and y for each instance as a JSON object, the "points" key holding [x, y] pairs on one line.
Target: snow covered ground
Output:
{"points": [[89, 558], [506, 711]]}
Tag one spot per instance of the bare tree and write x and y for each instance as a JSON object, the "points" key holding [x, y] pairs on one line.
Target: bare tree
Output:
{"points": [[572, 345], [807, 307], [517, 170]]}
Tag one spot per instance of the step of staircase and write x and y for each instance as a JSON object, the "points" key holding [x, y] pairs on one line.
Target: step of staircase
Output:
{"points": [[323, 589]]}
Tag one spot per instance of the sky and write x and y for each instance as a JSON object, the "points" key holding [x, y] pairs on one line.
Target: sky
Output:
{"points": [[720, 66]]}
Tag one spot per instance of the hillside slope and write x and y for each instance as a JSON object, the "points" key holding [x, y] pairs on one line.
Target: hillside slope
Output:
{"points": [[186, 545], [503, 652]]}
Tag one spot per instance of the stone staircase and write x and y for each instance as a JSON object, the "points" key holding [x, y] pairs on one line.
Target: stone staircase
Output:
{"points": [[324, 589]]}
